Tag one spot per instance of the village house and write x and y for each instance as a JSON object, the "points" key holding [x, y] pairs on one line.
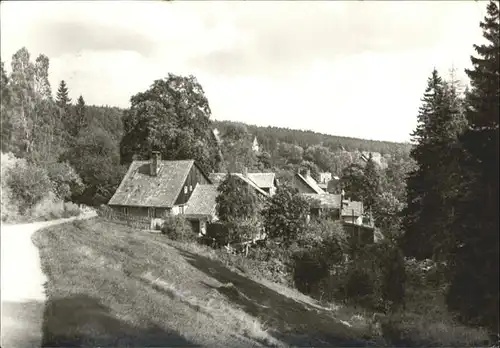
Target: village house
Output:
{"points": [[350, 213], [324, 178], [156, 189], [263, 183], [201, 206], [306, 184], [336, 206]]}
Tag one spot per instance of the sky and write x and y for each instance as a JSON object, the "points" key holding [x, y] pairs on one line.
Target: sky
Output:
{"points": [[353, 68]]}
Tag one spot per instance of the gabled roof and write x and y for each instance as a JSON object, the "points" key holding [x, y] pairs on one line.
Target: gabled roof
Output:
{"points": [[311, 183], [138, 188], [262, 180], [202, 201], [217, 178], [325, 200], [251, 183]]}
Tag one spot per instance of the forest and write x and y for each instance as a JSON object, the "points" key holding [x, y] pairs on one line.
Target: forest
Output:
{"points": [[435, 200]]}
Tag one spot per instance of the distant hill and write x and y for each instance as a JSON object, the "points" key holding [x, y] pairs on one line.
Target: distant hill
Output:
{"points": [[269, 137]]}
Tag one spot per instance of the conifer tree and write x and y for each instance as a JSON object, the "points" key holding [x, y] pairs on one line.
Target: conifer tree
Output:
{"points": [[432, 186], [62, 98], [414, 242], [372, 183], [81, 117], [474, 262]]}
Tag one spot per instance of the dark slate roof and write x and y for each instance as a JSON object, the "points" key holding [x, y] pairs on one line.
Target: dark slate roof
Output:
{"points": [[311, 183], [325, 200], [347, 210], [138, 188], [202, 201]]}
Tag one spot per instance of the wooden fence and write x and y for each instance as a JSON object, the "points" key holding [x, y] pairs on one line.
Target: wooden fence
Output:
{"points": [[140, 222]]}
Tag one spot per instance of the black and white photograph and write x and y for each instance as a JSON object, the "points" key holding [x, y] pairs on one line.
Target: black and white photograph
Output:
{"points": [[250, 173]]}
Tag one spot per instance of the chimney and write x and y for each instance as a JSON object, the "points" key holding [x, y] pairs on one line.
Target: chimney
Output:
{"points": [[245, 172], [308, 173], [154, 163]]}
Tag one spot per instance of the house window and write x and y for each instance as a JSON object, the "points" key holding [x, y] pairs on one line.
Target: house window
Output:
{"points": [[125, 211], [185, 189]]}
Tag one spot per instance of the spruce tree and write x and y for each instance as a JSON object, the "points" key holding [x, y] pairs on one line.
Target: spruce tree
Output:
{"points": [[81, 117], [431, 187], [372, 183], [62, 98], [473, 292], [421, 199]]}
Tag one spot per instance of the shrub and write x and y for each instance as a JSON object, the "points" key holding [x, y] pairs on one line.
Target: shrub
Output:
{"points": [[50, 207], [361, 288], [309, 268], [103, 210], [28, 184], [405, 329], [9, 209], [243, 229], [71, 209], [374, 278], [320, 249], [65, 181], [176, 227]]}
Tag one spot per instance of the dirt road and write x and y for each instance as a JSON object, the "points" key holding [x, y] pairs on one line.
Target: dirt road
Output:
{"points": [[22, 284]]}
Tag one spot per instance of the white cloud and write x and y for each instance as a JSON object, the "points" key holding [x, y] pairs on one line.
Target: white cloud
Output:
{"points": [[347, 68]]}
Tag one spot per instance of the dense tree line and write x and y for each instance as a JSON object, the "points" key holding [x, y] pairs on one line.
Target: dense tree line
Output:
{"points": [[271, 137], [452, 195], [64, 142]]}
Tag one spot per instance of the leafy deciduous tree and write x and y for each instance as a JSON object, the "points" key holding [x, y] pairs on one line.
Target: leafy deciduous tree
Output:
{"points": [[285, 214], [173, 117]]}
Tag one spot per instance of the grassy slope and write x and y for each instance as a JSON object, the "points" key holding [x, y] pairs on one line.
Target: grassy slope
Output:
{"points": [[110, 285]]}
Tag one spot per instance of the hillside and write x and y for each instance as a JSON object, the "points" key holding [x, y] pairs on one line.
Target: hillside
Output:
{"points": [[110, 285], [269, 136]]}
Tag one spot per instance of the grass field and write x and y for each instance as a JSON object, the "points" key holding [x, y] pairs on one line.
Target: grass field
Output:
{"points": [[110, 285]]}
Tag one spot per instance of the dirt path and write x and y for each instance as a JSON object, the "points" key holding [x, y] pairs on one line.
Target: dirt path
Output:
{"points": [[22, 280]]}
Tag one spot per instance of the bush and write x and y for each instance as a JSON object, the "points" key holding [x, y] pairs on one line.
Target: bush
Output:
{"points": [[65, 181], [28, 193], [404, 329], [309, 268], [53, 208], [374, 278], [9, 207], [71, 209], [176, 227], [28, 184], [320, 249], [361, 288]]}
